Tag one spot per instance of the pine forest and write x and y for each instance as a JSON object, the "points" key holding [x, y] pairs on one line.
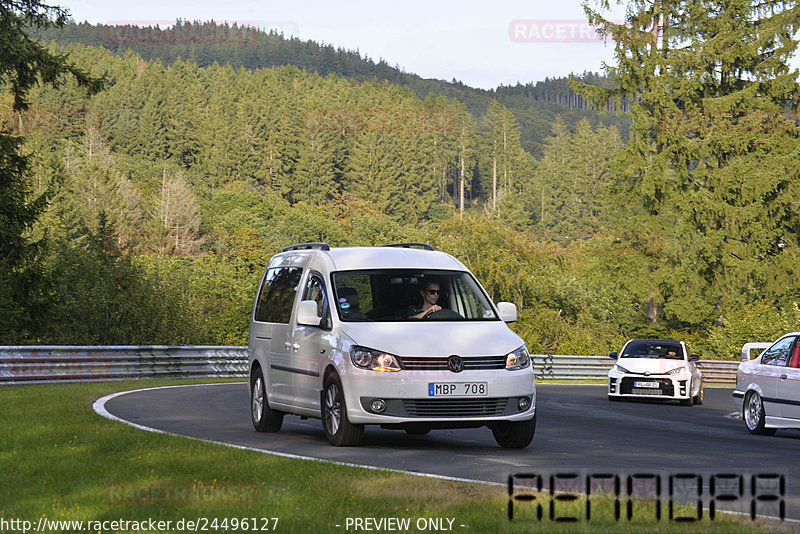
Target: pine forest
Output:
{"points": [[658, 200]]}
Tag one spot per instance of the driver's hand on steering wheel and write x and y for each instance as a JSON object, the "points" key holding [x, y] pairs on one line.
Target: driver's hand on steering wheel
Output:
{"points": [[433, 309]]}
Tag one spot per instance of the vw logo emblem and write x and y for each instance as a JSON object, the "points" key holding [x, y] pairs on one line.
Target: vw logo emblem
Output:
{"points": [[455, 364]]}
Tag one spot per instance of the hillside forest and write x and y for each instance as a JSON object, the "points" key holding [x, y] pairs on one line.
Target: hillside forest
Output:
{"points": [[160, 198]]}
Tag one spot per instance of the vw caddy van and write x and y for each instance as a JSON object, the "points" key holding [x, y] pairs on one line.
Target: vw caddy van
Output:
{"points": [[343, 335]]}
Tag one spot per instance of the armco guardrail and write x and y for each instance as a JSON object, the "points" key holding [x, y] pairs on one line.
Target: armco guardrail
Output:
{"points": [[557, 367], [718, 371], [31, 364], [25, 364]]}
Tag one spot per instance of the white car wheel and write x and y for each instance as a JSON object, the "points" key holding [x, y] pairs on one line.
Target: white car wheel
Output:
{"points": [[698, 399], [754, 415], [690, 400]]}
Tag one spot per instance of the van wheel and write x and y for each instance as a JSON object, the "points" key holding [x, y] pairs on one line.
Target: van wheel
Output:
{"points": [[338, 429], [514, 434], [264, 418]]}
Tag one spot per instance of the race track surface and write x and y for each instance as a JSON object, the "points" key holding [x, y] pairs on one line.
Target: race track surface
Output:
{"points": [[578, 432]]}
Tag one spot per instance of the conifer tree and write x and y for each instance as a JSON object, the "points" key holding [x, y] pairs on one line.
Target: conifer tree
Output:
{"points": [[550, 175], [712, 160], [442, 144], [510, 165], [179, 215], [94, 189], [23, 63], [466, 142]]}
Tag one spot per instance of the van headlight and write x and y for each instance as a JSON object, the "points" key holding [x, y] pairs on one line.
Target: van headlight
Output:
{"points": [[618, 368], [677, 370], [373, 360], [519, 359]]}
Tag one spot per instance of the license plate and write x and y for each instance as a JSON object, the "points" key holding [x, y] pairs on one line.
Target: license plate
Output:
{"points": [[457, 389], [646, 385]]}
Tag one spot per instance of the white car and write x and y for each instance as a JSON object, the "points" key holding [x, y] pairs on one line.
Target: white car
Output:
{"points": [[400, 336], [767, 390], [656, 368]]}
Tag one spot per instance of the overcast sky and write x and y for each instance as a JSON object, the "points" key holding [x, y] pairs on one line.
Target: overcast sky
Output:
{"points": [[482, 43]]}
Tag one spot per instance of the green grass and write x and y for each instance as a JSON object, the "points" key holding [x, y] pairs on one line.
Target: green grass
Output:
{"points": [[60, 460]]}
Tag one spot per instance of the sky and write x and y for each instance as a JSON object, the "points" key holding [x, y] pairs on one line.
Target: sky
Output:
{"points": [[481, 43]]}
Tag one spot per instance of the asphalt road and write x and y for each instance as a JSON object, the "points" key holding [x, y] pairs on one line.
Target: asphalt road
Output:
{"points": [[578, 432]]}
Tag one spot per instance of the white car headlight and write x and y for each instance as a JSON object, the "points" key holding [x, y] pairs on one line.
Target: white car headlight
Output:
{"points": [[677, 370], [618, 368], [519, 359], [373, 360]]}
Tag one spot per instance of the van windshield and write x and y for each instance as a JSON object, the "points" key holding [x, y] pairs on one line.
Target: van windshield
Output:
{"points": [[410, 295]]}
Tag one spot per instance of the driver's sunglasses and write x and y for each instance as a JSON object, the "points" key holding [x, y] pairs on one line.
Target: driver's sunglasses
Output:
{"points": [[433, 291]]}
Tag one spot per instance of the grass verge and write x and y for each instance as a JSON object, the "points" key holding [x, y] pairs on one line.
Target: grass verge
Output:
{"points": [[61, 461]]}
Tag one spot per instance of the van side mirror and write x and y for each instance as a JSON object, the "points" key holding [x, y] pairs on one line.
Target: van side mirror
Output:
{"points": [[613, 354], [508, 311], [694, 358], [307, 313]]}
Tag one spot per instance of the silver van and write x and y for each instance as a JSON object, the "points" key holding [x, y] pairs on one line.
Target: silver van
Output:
{"points": [[400, 336]]}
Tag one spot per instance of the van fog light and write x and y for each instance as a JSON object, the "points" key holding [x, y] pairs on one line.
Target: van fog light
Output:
{"points": [[524, 403], [377, 405]]}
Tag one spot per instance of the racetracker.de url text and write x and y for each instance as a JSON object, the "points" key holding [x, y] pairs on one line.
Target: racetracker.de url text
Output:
{"points": [[197, 524]]}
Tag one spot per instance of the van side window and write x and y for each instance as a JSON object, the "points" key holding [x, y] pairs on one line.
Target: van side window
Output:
{"points": [[276, 297]]}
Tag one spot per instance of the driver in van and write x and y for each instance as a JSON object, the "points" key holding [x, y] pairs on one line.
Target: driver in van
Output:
{"points": [[430, 296]]}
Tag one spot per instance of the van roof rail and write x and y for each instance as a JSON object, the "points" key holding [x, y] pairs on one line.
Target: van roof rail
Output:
{"points": [[306, 246], [424, 246]]}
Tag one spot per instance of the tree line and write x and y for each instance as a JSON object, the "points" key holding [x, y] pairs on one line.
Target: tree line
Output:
{"points": [[183, 176], [560, 91], [154, 204], [207, 43]]}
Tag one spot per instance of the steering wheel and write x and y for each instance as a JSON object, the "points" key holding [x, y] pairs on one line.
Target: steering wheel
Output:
{"points": [[442, 315]]}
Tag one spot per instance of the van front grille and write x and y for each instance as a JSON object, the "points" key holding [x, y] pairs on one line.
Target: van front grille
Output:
{"points": [[476, 363]]}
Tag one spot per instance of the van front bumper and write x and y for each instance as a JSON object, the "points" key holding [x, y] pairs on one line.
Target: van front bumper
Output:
{"points": [[450, 408], [508, 396]]}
